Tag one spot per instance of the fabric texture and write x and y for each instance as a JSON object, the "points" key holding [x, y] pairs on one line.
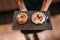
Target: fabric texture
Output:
{"points": [[32, 5]]}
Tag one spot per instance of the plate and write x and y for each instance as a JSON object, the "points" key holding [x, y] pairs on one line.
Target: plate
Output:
{"points": [[31, 26]]}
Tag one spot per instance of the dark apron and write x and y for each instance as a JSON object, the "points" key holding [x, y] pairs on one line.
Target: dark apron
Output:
{"points": [[32, 5]]}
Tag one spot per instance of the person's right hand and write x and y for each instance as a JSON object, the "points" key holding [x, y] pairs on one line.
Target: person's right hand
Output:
{"points": [[45, 35]]}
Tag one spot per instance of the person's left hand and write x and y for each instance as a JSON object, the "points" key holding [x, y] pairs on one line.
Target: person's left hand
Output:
{"points": [[13, 35]]}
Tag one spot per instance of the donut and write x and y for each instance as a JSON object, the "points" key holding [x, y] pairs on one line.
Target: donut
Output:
{"points": [[38, 18], [22, 18]]}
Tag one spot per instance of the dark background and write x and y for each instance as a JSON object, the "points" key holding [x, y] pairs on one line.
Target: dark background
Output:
{"points": [[7, 8]]}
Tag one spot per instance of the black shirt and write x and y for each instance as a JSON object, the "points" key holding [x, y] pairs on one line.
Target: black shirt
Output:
{"points": [[32, 5]]}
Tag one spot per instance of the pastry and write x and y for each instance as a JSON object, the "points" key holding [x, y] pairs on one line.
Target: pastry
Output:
{"points": [[22, 18], [38, 18]]}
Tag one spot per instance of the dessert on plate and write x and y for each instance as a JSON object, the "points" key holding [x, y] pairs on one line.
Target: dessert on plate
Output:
{"points": [[22, 18], [38, 18]]}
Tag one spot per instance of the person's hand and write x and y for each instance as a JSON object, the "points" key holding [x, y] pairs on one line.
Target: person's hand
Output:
{"points": [[17, 35], [45, 35], [13, 35], [45, 5]]}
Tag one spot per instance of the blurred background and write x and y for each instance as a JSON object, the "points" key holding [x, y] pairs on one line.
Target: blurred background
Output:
{"points": [[7, 8]]}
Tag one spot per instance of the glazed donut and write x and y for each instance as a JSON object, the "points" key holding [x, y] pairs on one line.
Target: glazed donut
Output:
{"points": [[38, 18], [22, 18]]}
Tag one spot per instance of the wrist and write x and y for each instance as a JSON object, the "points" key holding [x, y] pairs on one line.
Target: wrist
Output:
{"points": [[23, 9], [44, 9]]}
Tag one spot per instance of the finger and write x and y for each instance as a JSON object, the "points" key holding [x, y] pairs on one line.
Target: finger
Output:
{"points": [[31, 36], [36, 37]]}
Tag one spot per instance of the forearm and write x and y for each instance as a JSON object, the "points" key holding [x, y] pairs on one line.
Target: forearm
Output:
{"points": [[45, 5], [21, 5]]}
